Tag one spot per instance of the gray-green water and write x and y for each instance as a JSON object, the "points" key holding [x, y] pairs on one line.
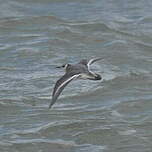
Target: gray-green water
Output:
{"points": [[113, 115]]}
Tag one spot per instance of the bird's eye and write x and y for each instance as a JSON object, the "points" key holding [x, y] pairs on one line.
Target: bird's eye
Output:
{"points": [[66, 65]]}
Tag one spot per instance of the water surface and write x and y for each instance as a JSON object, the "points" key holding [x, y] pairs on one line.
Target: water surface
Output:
{"points": [[112, 115]]}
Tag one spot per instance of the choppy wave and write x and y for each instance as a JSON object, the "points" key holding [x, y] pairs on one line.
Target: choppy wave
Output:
{"points": [[109, 115]]}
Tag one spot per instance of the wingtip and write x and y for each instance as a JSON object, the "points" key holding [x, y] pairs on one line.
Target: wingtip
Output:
{"points": [[50, 106], [52, 103]]}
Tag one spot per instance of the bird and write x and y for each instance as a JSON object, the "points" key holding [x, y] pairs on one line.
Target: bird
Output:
{"points": [[80, 70]]}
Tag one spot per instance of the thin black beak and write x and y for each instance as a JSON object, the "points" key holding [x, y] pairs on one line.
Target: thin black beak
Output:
{"points": [[61, 66]]}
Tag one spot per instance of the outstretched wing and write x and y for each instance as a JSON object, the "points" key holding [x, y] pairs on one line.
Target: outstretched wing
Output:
{"points": [[93, 60], [60, 85]]}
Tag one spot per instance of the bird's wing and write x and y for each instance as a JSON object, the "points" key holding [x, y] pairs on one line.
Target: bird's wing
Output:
{"points": [[60, 85], [91, 61]]}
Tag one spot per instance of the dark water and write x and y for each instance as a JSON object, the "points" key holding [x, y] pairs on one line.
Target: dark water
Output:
{"points": [[113, 115]]}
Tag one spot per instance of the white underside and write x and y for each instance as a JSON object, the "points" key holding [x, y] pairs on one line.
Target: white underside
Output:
{"points": [[85, 76]]}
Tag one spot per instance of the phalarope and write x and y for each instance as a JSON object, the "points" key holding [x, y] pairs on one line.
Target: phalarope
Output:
{"points": [[80, 70]]}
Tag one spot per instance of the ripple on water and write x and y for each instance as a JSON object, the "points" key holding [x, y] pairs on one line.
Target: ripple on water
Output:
{"points": [[112, 115]]}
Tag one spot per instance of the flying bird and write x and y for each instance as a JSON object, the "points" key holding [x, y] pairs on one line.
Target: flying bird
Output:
{"points": [[80, 70]]}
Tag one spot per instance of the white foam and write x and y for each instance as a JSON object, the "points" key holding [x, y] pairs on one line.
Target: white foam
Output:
{"points": [[127, 132]]}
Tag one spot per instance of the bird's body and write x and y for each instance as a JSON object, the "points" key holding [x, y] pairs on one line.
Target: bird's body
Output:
{"points": [[80, 70]]}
